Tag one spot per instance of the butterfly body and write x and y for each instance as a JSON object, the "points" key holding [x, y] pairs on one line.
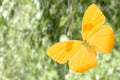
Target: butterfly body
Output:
{"points": [[81, 54]]}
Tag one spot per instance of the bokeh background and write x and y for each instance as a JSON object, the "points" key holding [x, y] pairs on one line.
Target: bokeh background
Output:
{"points": [[29, 27]]}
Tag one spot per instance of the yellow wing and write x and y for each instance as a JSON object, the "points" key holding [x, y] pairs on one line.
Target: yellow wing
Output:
{"points": [[62, 51], [92, 20], [83, 60], [103, 39]]}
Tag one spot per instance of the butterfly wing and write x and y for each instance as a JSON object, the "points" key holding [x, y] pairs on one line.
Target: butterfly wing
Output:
{"points": [[83, 60], [92, 20], [103, 39], [62, 51]]}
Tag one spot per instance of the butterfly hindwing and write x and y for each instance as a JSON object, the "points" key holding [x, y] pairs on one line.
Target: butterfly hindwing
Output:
{"points": [[62, 51], [103, 39], [92, 20], [83, 60]]}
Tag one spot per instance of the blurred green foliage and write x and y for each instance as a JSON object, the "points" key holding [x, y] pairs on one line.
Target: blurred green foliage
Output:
{"points": [[29, 27]]}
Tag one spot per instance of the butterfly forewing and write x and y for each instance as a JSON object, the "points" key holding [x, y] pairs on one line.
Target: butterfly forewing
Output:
{"points": [[62, 51], [92, 20]]}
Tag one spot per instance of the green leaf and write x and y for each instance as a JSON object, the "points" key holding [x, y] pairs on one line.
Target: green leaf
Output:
{"points": [[63, 20]]}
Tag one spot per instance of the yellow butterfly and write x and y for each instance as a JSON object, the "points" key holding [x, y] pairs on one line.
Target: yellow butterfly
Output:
{"points": [[96, 38]]}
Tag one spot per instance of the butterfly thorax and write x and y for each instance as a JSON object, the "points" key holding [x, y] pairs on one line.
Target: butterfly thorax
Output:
{"points": [[85, 43]]}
